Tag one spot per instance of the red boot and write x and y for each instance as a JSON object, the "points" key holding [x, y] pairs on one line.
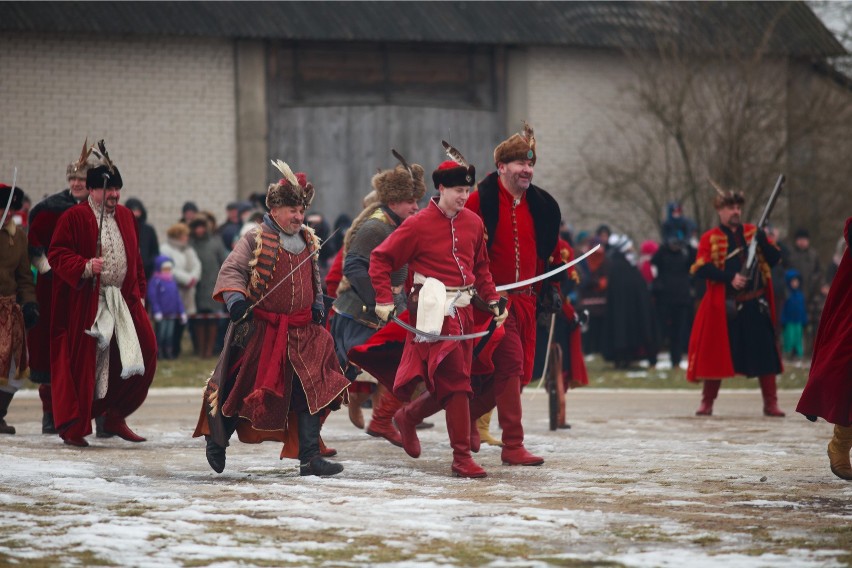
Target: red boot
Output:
{"points": [[409, 416], [381, 424], [509, 413], [770, 397], [117, 426], [458, 429], [708, 395]]}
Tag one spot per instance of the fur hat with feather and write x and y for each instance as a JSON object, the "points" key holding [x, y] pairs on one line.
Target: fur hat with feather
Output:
{"points": [[402, 183], [454, 172], [520, 146], [78, 168], [292, 190], [102, 168], [726, 197]]}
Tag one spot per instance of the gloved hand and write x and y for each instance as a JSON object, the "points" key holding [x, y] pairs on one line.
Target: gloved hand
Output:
{"points": [[184, 318], [318, 315], [500, 312], [384, 311], [238, 309], [158, 316], [31, 314], [550, 300]]}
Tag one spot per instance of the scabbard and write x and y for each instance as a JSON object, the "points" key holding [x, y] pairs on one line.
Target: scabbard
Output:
{"points": [[215, 394]]}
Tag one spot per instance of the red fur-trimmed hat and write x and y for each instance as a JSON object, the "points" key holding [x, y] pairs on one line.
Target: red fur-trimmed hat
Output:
{"points": [[455, 171], [292, 190]]}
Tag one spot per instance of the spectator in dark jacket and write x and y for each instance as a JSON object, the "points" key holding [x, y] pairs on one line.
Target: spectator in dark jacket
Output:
{"points": [[212, 253], [149, 246], [673, 294]]}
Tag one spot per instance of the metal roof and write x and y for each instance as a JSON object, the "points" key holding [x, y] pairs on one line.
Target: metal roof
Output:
{"points": [[700, 26]]}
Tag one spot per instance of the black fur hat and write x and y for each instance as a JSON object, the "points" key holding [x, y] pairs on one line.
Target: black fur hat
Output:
{"points": [[17, 198]]}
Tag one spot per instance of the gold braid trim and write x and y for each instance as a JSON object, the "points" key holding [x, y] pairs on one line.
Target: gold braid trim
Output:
{"points": [[718, 250], [258, 247]]}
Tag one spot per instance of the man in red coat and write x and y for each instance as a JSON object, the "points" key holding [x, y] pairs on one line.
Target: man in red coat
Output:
{"points": [[522, 222], [103, 350], [734, 330], [444, 247], [828, 394], [42, 222]]}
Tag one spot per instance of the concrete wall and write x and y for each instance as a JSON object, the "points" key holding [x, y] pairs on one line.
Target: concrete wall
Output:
{"points": [[165, 106]]}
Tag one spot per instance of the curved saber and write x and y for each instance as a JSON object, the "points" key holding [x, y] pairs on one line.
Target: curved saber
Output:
{"points": [[540, 277], [9, 201], [435, 336]]}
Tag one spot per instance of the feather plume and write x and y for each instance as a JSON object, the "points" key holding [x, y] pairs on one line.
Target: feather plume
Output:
{"points": [[100, 153], [285, 170], [454, 154], [399, 157], [84, 155], [528, 135], [718, 189]]}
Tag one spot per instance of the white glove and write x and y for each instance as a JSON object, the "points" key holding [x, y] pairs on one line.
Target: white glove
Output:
{"points": [[184, 319], [499, 318], [158, 317], [383, 311], [41, 264]]}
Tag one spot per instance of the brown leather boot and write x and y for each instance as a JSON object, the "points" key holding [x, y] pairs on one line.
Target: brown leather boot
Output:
{"points": [[458, 428], [409, 416], [509, 413], [356, 399], [5, 399], [708, 395], [838, 452], [770, 397]]}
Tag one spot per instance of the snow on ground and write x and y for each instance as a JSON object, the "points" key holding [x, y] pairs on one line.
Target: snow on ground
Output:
{"points": [[638, 481]]}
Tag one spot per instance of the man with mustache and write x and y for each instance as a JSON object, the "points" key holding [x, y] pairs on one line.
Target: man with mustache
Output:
{"points": [[103, 349], [734, 330], [522, 222]]}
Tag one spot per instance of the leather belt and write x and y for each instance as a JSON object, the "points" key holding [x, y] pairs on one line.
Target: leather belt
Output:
{"points": [[746, 296]]}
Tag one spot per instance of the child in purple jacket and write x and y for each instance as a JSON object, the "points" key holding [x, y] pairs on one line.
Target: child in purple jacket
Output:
{"points": [[166, 305]]}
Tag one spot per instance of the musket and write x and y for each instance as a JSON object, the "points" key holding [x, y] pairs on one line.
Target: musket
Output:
{"points": [[9, 201], [100, 227], [764, 217]]}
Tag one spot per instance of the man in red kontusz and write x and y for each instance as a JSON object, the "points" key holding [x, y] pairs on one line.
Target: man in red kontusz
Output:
{"points": [[522, 222], [444, 246]]}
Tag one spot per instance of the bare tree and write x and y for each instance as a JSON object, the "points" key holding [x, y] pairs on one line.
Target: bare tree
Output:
{"points": [[740, 117]]}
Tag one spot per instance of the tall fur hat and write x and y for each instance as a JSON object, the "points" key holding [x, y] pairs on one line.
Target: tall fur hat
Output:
{"points": [[726, 198], [78, 168], [402, 183], [101, 167], [455, 171], [293, 190], [520, 146]]}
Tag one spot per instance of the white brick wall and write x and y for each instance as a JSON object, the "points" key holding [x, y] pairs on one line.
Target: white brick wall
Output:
{"points": [[572, 97], [165, 106]]}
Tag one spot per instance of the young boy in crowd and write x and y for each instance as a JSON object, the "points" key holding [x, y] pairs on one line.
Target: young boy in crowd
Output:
{"points": [[794, 316], [166, 305]]}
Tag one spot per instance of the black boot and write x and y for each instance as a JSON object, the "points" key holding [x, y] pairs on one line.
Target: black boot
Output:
{"points": [[47, 425], [100, 432], [5, 399], [310, 460], [215, 452]]}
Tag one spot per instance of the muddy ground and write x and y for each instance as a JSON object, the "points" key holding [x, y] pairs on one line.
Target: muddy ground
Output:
{"points": [[638, 481]]}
